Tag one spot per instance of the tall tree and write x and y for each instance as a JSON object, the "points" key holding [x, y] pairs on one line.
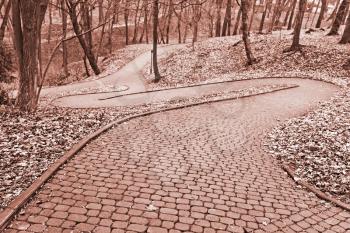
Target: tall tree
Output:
{"points": [[339, 17], [218, 18], [5, 21], [291, 18], [346, 34], [322, 13], [26, 41], [263, 17], [72, 10], [299, 21], [64, 36], [226, 27], [245, 32], [157, 76]]}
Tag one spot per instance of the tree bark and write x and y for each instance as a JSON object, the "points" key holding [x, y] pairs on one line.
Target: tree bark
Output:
{"points": [[245, 32], [64, 35], [346, 34], [322, 12], [235, 30], [299, 21], [71, 5], [252, 16], [157, 76], [26, 38], [290, 23], [5, 21], [227, 20], [263, 17], [338, 18], [218, 18]]}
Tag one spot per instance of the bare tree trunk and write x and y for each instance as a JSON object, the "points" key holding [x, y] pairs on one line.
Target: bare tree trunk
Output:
{"points": [[179, 25], [285, 21], [235, 30], [290, 23], [338, 18], [218, 18], [252, 16], [5, 21], [26, 38], [323, 11], [100, 11], [309, 11], [334, 12], [64, 45], [227, 20], [299, 21], [346, 34], [157, 76], [113, 22], [263, 17], [126, 21], [170, 15], [50, 25], [245, 32], [134, 39], [71, 5], [197, 14], [313, 18], [274, 16]]}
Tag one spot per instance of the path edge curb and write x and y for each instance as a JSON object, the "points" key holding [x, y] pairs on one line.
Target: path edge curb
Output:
{"points": [[317, 192], [20, 201]]}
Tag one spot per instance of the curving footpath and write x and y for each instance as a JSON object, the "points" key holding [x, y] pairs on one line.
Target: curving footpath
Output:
{"points": [[198, 169]]}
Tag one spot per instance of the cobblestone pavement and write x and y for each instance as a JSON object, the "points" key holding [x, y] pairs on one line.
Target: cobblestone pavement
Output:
{"points": [[199, 169]]}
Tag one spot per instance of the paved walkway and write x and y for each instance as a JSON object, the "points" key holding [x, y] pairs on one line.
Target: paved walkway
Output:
{"points": [[199, 169], [130, 75], [119, 99]]}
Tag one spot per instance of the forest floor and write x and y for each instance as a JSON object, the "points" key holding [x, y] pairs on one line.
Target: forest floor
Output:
{"points": [[317, 145]]}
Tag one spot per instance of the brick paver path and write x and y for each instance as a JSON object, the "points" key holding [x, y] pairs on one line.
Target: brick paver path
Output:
{"points": [[199, 169]]}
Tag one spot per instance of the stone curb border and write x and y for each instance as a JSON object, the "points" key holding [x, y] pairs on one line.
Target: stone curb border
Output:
{"points": [[12, 209], [314, 190]]}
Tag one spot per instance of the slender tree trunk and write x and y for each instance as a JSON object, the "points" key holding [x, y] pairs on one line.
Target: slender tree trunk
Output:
{"points": [[309, 15], [100, 11], [134, 39], [275, 14], [64, 35], [290, 23], [346, 34], [50, 25], [334, 12], [179, 25], [338, 18], [323, 11], [113, 22], [197, 14], [157, 76], [235, 30], [252, 16], [170, 15], [245, 32], [71, 5], [218, 18], [313, 18], [299, 21], [227, 20], [285, 21], [126, 21], [5, 21], [263, 17]]}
